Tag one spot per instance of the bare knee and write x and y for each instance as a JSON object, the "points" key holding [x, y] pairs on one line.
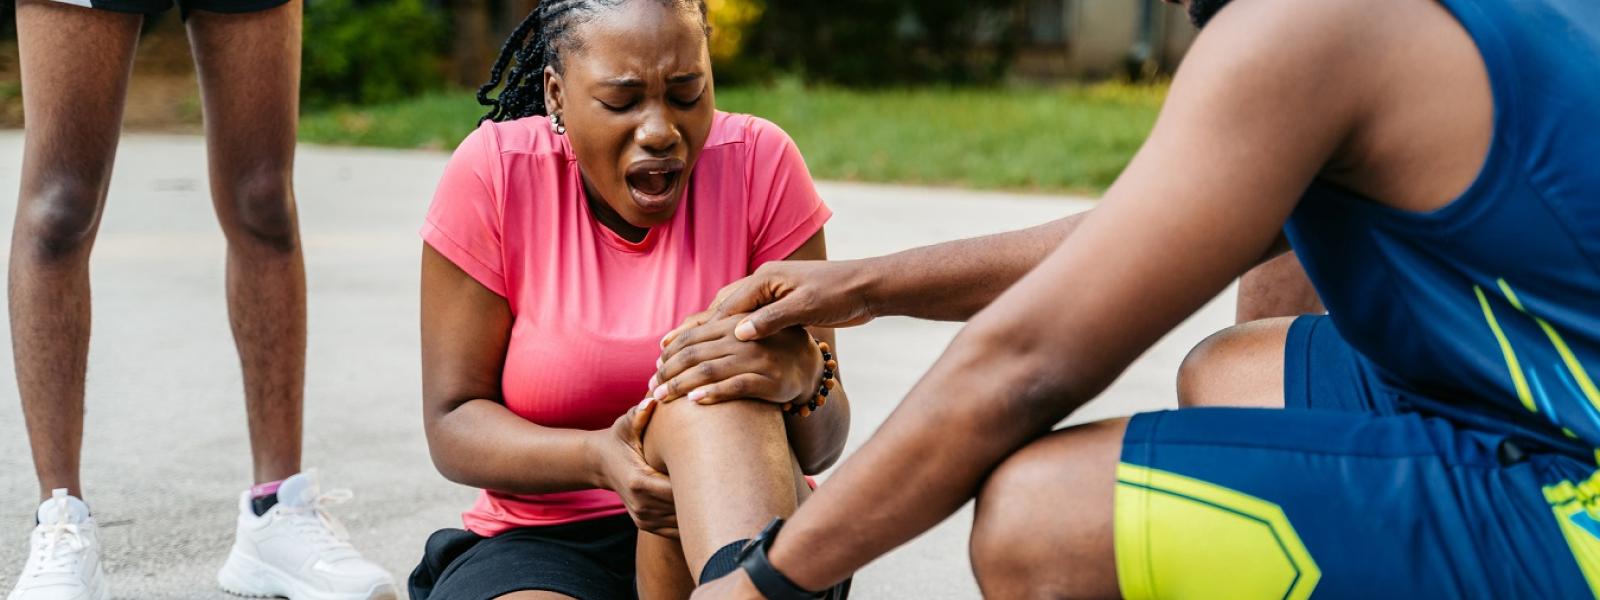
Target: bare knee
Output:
{"points": [[1238, 366], [260, 212], [1043, 527], [59, 220], [688, 427]]}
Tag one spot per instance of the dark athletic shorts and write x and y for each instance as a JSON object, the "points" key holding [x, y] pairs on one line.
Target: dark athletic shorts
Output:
{"points": [[150, 7], [1348, 493], [588, 560]]}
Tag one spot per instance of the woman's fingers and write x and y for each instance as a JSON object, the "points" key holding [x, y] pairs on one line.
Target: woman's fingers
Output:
{"points": [[639, 416], [705, 332], [738, 387], [690, 322], [691, 358], [702, 374]]}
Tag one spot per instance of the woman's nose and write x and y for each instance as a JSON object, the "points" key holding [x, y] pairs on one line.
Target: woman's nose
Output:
{"points": [[657, 134]]}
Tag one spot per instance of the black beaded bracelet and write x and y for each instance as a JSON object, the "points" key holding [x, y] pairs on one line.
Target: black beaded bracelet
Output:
{"points": [[829, 381]]}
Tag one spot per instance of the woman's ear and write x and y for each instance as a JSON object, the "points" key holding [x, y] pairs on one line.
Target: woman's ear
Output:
{"points": [[553, 91]]}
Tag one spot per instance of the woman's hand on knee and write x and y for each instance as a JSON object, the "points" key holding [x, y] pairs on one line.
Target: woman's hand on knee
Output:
{"points": [[707, 364], [620, 466]]}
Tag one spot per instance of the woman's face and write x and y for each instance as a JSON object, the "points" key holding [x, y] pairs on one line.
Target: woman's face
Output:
{"points": [[635, 97]]}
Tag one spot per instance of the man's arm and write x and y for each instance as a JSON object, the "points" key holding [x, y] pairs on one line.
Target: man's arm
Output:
{"points": [[952, 281], [1243, 131]]}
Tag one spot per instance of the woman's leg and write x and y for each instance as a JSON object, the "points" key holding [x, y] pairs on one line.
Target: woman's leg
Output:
{"points": [[663, 571], [732, 471]]}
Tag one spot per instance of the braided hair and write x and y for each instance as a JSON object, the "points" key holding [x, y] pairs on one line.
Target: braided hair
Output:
{"points": [[539, 41]]}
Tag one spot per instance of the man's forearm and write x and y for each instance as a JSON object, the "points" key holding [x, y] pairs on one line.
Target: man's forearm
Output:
{"points": [[924, 463], [954, 280]]}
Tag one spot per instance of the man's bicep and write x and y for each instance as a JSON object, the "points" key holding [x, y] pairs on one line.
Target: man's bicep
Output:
{"points": [[1246, 126]]}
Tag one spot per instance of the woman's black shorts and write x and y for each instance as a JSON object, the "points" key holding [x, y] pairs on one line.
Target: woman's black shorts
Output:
{"points": [[588, 560]]}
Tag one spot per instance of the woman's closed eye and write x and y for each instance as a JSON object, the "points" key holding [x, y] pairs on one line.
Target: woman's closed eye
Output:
{"points": [[689, 100], [618, 106]]}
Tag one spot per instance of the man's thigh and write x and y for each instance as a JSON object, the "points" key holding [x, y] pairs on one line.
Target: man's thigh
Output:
{"points": [[75, 66], [1286, 504]]}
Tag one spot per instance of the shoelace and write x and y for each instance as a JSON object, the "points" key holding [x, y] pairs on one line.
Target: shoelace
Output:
{"points": [[320, 528], [62, 545]]}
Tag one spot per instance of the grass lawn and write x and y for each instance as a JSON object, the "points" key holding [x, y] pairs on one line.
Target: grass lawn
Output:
{"points": [[1074, 138]]}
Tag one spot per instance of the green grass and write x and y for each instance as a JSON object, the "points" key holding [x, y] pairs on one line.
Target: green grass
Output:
{"points": [[1073, 138]]}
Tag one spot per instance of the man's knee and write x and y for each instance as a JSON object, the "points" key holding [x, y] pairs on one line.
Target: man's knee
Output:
{"points": [[1043, 518], [262, 211], [59, 220], [1001, 540], [1241, 365]]}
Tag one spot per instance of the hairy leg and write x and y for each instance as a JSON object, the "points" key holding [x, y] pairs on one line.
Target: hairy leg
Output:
{"points": [[1044, 518], [75, 67], [1276, 288], [732, 471], [249, 67]]}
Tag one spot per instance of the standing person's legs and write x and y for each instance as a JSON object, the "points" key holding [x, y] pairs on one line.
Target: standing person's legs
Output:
{"points": [[75, 68], [247, 53], [249, 67]]}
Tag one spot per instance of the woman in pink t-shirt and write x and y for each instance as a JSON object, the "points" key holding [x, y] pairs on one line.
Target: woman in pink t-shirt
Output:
{"points": [[602, 201]]}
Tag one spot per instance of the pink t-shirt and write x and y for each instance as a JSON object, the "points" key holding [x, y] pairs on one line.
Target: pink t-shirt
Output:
{"points": [[589, 307]]}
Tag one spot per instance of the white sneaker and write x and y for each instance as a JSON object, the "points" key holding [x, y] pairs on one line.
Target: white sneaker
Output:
{"points": [[64, 559], [299, 551]]}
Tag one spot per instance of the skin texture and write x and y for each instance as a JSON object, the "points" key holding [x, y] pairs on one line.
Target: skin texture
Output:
{"points": [[75, 66], [1276, 288], [1399, 110], [733, 466]]}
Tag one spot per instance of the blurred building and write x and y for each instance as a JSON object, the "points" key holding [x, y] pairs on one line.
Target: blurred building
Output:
{"points": [[1100, 38]]}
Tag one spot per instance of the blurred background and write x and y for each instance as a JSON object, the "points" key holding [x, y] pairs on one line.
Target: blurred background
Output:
{"points": [[1040, 95]]}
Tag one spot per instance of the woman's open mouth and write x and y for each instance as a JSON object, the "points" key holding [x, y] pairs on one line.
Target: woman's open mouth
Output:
{"points": [[653, 183]]}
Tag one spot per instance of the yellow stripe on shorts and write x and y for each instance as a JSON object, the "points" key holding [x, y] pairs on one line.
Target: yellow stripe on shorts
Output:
{"points": [[1180, 537]]}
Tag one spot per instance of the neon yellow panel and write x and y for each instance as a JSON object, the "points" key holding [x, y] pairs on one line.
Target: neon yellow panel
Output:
{"points": [[1175, 535]]}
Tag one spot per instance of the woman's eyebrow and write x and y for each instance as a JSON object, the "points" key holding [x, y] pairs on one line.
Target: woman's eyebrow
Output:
{"points": [[635, 82]]}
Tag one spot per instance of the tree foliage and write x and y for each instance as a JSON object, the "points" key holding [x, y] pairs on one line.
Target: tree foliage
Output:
{"points": [[869, 42], [371, 51]]}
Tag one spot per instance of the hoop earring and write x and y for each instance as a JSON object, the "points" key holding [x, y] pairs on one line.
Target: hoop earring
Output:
{"points": [[556, 125]]}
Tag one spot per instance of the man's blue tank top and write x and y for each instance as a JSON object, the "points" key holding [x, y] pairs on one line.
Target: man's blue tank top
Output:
{"points": [[1487, 311]]}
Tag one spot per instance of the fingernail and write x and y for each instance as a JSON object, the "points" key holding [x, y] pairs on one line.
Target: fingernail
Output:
{"points": [[659, 363], [745, 331], [696, 395], [661, 392], [655, 380], [643, 404]]}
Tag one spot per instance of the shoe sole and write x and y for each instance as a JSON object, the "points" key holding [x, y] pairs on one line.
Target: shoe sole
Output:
{"points": [[243, 576]]}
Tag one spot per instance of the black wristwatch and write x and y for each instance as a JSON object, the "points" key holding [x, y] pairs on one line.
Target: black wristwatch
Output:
{"points": [[772, 584]]}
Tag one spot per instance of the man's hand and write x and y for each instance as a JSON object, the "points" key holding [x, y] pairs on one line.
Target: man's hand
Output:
{"points": [[782, 294], [733, 586]]}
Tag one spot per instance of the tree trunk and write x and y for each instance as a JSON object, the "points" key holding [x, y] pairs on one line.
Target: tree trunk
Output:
{"points": [[472, 50]]}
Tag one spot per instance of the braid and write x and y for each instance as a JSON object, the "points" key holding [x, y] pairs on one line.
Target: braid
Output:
{"points": [[534, 44]]}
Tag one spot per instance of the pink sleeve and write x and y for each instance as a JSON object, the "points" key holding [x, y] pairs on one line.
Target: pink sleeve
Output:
{"points": [[464, 224], [785, 208]]}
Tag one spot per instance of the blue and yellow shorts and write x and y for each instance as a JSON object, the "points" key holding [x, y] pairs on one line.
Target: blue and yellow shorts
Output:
{"points": [[1346, 495]]}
